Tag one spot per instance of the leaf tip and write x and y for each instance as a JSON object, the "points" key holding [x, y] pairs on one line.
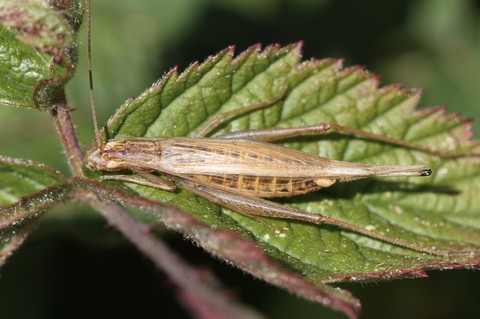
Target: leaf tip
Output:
{"points": [[297, 47], [251, 49], [467, 123]]}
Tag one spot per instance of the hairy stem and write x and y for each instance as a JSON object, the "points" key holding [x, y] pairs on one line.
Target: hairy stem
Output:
{"points": [[66, 131], [8, 249], [206, 298]]}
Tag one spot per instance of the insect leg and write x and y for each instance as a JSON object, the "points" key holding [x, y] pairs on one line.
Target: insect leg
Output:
{"points": [[253, 206], [231, 114], [145, 179], [273, 134]]}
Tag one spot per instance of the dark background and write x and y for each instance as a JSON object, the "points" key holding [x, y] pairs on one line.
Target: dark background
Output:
{"points": [[74, 266]]}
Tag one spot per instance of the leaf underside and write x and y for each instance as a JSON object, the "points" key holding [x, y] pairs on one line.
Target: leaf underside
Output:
{"points": [[37, 51], [26, 191], [436, 211]]}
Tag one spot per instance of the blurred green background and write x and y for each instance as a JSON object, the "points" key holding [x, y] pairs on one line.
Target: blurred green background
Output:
{"points": [[74, 266]]}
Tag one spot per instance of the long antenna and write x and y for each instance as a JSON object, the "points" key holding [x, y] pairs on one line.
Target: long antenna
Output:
{"points": [[90, 76]]}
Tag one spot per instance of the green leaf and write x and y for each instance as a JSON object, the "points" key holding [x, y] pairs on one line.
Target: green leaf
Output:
{"points": [[432, 211], [37, 51], [26, 191]]}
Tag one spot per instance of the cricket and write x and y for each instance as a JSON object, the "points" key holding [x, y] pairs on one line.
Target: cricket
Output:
{"points": [[242, 170]]}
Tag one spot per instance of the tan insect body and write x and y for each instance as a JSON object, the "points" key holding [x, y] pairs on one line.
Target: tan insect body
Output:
{"points": [[200, 158]]}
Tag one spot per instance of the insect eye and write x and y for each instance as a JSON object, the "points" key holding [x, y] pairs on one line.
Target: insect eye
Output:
{"points": [[111, 164]]}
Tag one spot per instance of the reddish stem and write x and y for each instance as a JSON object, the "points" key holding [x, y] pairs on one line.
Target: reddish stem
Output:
{"points": [[201, 289], [66, 131]]}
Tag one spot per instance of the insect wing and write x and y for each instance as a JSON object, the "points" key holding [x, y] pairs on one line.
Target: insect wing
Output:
{"points": [[218, 157]]}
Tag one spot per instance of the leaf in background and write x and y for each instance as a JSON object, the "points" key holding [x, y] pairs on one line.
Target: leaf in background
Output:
{"points": [[26, 191], [439, 211], [36, 50]]}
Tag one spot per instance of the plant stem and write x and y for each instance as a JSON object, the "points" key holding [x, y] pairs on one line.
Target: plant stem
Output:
{"points": [[199, 291], [66, 131]]}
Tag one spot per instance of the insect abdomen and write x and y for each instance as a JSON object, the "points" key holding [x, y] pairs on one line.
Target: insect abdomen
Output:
{"points": [[263, 186]]}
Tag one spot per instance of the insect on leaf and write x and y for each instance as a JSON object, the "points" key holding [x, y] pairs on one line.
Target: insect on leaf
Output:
{"points": [[436, 211]]}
